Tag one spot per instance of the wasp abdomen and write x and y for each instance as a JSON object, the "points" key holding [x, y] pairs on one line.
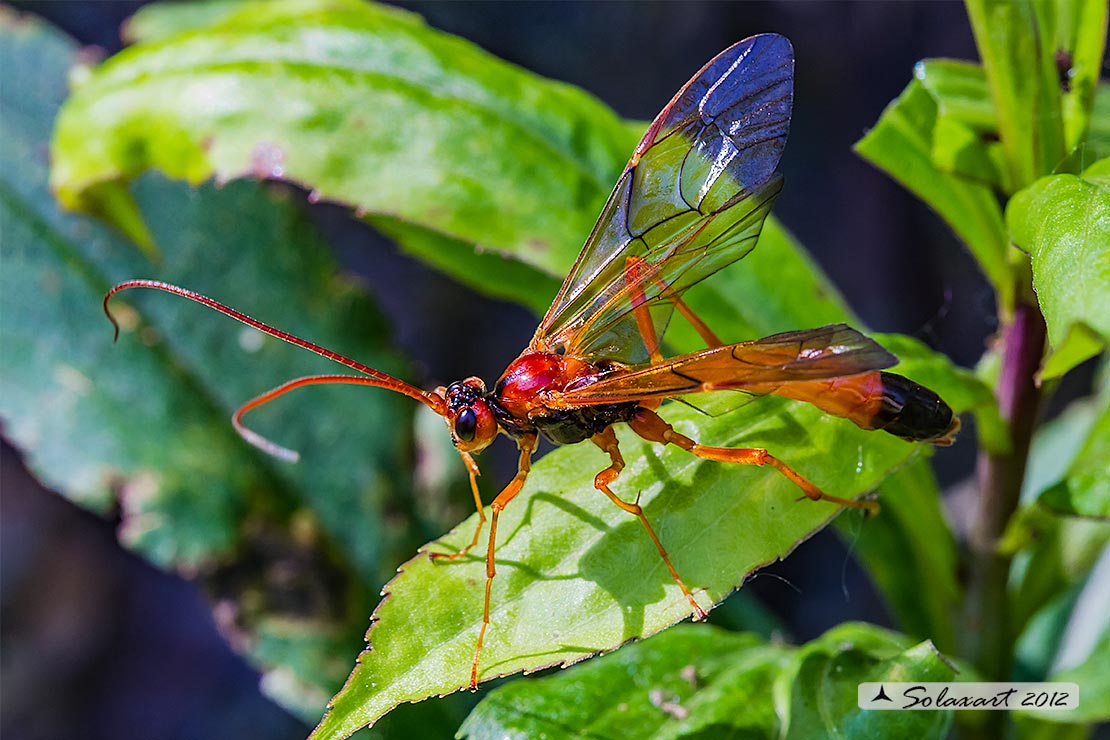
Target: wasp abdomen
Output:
{"points": [[914, 412], [876, 400]]}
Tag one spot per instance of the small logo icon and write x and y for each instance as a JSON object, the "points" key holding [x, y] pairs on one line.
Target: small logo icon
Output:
{"points": [[882, 695]]}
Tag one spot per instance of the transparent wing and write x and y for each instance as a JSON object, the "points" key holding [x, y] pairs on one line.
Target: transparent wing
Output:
{"points": [[813, 354], [691, 201]]}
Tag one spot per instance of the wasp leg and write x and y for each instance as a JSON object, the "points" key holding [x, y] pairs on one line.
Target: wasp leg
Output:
{"points": [[607, 441], [508, 493], [648, 425], [637, 272], [472, 468]]}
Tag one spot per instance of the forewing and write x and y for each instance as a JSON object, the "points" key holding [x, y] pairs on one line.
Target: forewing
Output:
{"points": [[813, 354], [691, 201]]}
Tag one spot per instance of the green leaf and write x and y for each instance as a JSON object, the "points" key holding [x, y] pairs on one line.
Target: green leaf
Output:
{"points": [[1055, 553], [1098, 173], [113, 203], [160, 21], [1085, 491], [377, 111], [910, 553], [1063, 222], [699, 683], [1093, 677], [1081, 34], [965, 140], [1070, 464], [142, 428], [691, 682], [902, 145], [961, 93], [490, 273], [1098, 137], [1080, 647], [1015, 40], [1057, 443], [822, 688], [1055, 550], [1039, 639], [564, 549], [966, 137]]}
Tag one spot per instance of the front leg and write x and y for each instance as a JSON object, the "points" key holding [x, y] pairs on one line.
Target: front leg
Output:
{"points": [[527, 447], [472, 469], [607, 441]]}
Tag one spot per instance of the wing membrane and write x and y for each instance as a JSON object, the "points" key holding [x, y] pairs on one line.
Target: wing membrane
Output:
{"points": [[691, 201], [813, 354]]}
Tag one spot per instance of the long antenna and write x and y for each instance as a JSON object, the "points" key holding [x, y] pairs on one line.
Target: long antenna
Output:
{"points": [[272, 448], [374, 377]]}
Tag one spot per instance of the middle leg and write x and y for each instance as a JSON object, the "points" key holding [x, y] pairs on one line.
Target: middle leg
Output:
{"points": [[607, 441]]}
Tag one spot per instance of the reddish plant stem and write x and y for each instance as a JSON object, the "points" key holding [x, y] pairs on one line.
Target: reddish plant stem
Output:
{"points": [[990, 635]]}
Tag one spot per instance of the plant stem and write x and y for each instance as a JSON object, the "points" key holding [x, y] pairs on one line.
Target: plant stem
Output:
{"points": [[989, 633]]}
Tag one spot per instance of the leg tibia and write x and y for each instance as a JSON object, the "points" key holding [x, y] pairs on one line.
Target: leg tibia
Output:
{"points": [[472, 469], [607, 441], [527, 447], [651, 427]]}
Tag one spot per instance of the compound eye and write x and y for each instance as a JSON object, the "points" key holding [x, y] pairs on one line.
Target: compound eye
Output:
{"points": [[466, 424]]}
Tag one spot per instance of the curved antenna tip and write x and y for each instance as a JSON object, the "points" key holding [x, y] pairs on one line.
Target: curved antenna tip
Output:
{"points": [[111, 318], [274, 450], [257, 440], [289, 456]]}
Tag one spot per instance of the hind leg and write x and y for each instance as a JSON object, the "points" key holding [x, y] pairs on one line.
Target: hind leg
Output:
{"points": [[607, 441], [651, 427], [637, 272]]}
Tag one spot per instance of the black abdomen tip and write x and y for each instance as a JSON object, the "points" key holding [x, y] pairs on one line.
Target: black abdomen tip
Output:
{"points": [[915, 413]]}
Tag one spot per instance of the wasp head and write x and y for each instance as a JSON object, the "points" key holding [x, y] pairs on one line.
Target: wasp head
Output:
{"points": [[471, 421]]}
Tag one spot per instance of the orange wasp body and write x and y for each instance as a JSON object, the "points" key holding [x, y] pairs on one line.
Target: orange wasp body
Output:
{"points": [[691, 201]]}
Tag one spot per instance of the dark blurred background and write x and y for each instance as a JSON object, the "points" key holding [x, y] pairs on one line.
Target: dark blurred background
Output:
{"points": [[98, 644]]}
